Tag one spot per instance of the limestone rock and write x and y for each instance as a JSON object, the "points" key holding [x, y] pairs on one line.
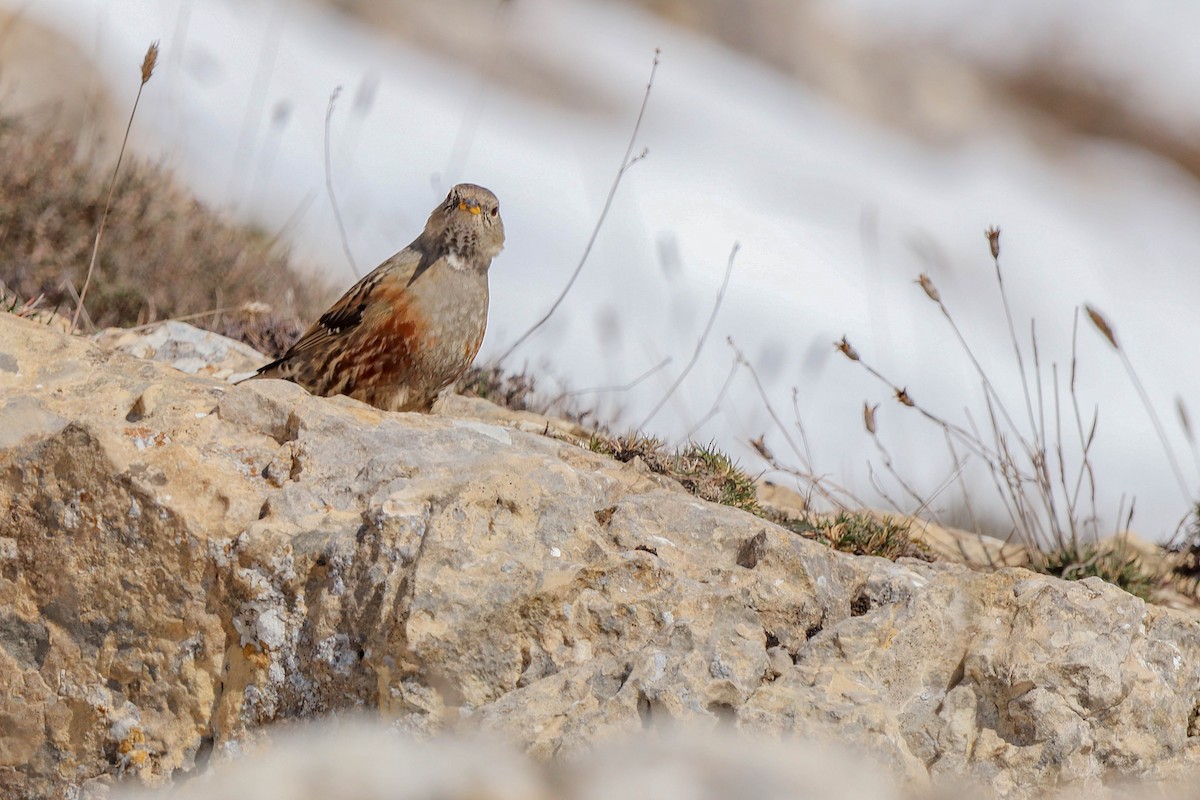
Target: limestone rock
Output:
{"points": [[184, 563], [186, 348]]}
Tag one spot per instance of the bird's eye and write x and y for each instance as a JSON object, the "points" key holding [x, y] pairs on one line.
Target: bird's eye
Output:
{"points": [[495, 210]]}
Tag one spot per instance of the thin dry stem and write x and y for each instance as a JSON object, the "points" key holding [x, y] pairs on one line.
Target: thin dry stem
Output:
{"points": [[712, 317], [1158, 426], [923, 504], [716, 406], [838, 496], [625, 387], [337, 213], [627, 161], [993, 236], [800, 424], [1106, 330], [988, 387], [903, 397], [1085, 468], [147, 70]]}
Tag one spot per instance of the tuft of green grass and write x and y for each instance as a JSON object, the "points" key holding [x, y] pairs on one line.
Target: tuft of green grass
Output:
{"points": [[709, 473], [703, 470], [1074, 562], [860, 533], [712, 475]]}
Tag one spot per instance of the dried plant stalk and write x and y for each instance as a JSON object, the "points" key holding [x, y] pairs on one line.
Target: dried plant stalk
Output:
{"points": [[148, 64]]}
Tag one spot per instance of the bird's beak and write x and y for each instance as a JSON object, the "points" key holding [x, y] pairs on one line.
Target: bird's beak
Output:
{"points": [[471, 206]]}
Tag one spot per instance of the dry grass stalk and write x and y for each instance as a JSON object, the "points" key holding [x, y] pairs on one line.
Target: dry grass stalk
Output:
{"points": [[1185, 422], [810, 483], [148, 63], [337, 212], [1106, 330], [715, 408], [1050, 504], [627, 161], [712, 317]]}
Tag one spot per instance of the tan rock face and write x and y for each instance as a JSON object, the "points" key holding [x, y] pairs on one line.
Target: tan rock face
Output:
{"points": [[183, 562]]}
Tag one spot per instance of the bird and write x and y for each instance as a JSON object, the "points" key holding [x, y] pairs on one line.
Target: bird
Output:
{"points": [[413, 325]]}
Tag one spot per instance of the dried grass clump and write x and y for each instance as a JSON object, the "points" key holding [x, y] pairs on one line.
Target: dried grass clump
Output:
{"points": [[31, 308], [507, 389], [164, 255], [1184, 555], [1051, 503]]}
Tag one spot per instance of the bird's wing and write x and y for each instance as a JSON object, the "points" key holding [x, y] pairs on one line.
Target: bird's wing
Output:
{"points": [[429, 257], [344, 315]]}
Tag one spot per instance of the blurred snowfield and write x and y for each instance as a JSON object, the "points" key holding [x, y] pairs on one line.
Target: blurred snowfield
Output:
{"points": [[836, 211]]}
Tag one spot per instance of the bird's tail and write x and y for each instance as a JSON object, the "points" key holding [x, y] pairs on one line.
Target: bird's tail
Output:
{"points": [[276, 369]]}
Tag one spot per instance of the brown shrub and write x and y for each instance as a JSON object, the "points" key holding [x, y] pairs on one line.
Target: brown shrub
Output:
{"points": [[164, 254]]}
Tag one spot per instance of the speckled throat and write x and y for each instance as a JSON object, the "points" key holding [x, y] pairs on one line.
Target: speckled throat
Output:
{"points": [[461, 245]]}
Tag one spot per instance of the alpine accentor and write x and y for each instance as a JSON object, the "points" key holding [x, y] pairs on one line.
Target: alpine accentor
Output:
{"points": [[414, 324]]}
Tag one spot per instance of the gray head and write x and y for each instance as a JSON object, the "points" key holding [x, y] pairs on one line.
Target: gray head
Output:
{"points": [[467, 226]]}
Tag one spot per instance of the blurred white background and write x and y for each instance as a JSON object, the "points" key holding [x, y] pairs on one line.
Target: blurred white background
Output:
{"points": [[847, 145]]}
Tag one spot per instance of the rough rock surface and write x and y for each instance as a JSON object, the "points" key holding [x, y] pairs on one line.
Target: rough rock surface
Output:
{"points": [[183, 562], [186, 348]]}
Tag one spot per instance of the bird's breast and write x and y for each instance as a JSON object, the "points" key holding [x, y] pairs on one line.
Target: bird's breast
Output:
{"points": [[436, 325]]}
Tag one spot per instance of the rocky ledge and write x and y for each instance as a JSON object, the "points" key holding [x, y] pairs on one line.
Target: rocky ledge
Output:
{"points": [[184, 562]]}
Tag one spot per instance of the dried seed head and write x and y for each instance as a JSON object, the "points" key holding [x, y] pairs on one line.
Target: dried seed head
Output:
{"points": [[993, 237], [1102, 325], [149, 61], [1185, 420], [902, 396], [760, 445], [869, 417], [845, 349], [930, 290]]}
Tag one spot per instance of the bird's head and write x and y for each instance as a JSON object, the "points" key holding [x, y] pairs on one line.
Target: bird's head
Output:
{"points": [[468, 224]]}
